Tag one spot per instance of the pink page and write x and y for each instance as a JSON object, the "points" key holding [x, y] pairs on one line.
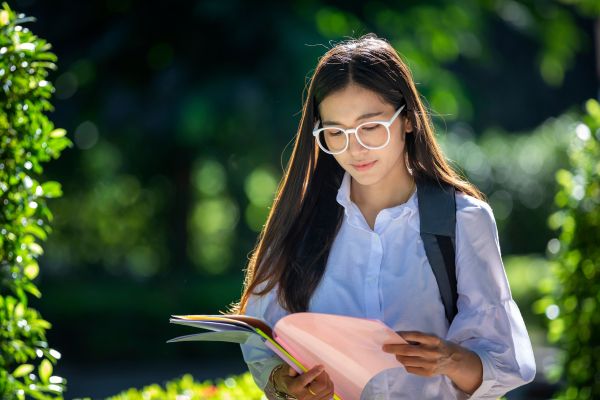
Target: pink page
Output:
{"points": [[348, 347]]}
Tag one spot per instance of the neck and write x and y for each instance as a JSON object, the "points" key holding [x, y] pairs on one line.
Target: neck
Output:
{"points": [[394, 189]]}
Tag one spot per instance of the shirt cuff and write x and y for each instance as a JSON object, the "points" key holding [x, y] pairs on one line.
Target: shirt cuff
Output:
{"points": [[489, 377]]}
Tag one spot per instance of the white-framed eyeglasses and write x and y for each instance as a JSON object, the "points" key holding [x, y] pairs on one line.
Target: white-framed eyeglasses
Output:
{"points": [[373, 135]]}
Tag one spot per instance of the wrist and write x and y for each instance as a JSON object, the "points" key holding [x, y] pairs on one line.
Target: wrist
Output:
{"points": [[274, 382], [465, 369], [456, 361]]}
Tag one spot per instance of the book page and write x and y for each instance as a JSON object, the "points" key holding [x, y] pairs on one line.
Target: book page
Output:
{"points": [[224, 336], [242, 320], [348, 347], [212, 325]]}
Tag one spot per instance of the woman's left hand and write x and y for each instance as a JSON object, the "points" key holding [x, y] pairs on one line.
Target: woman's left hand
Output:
{"points": [[425, 355]]}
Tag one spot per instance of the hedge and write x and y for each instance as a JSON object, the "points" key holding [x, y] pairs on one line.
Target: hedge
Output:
{"points": [[27, 140]]}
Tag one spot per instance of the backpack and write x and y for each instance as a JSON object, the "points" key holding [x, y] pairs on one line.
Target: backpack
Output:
{"points": [[437, 214]]}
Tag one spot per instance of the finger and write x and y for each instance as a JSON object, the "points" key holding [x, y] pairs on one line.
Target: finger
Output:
{"points": [[323, 388], [292, 371], [419, 337], [312, 394], [322, 392], [329, 386], [310, 375], [411, 350], [322, 378], [317, 388], [416, 362], [328, 395]]}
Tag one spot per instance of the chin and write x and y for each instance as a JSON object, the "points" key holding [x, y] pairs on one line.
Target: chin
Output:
{"points": [[365, 179]]}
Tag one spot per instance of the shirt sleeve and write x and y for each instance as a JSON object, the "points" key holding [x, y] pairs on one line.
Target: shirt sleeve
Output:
{"points": [[488, 322], [260, 359]]}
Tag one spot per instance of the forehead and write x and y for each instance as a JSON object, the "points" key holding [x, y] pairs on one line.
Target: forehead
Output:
{"points": [[347, 104]]}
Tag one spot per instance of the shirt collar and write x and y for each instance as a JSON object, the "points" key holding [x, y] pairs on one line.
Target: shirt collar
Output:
{"points": [[343, 198]]}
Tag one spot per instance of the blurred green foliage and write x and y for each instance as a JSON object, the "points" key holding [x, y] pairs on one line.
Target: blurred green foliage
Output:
{"points": [[572, 303], [516, 172], [213, 219], [233, 387], [526, 275], [27, 140], [110, 220], [432, 36]]}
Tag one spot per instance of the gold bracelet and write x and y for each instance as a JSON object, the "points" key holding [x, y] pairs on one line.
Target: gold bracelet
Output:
{"points": [[279, 394], [272, 375]]}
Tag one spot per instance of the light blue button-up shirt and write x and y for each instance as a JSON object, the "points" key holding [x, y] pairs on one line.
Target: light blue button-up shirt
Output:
{"points": [[384, 273]]}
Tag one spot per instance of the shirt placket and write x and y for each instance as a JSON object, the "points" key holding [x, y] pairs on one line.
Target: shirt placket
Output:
{"points": [[372, 298]]}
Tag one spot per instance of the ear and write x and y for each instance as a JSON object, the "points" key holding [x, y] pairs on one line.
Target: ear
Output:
{"points": [[408, 125]]}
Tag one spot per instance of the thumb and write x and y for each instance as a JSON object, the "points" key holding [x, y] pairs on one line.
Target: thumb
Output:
{"points": [[292, 372]]}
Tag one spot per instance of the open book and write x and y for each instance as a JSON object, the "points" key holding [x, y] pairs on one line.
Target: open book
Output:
{"points": [[348, 347]]}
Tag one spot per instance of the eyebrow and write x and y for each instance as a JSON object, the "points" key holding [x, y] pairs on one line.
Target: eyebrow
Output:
{"points": [[364, 116]]}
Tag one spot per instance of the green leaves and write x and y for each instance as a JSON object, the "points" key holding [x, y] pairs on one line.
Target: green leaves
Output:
{"points": [[45, 371], [22, 370], [28, 139], [573, 301], [58, 133], [234, 387], [31, 270], [51, 189]]}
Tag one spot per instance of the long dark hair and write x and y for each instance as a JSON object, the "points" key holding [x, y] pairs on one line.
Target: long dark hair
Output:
{"points": [[294, 244]]}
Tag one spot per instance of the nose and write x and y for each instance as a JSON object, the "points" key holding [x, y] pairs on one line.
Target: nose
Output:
{"points": [[354, 147]]}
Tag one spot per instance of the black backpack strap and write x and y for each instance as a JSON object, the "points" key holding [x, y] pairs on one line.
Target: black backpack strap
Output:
{"points": [[437, 213]]}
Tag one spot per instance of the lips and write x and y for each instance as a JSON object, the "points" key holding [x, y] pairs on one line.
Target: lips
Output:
{"points": [[364, 166]]}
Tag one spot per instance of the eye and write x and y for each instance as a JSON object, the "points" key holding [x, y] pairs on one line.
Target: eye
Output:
{"points": [[370, 127], [333, 132]]}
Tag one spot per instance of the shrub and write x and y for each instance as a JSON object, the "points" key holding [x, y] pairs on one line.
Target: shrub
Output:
{"points": [[572, 304], [27, 139], [185, 388]]}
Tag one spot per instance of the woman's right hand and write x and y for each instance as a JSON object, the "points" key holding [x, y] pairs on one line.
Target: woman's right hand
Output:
{"points": [[315, 380]]}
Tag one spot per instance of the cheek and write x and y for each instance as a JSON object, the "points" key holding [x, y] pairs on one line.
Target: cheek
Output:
{"points": [[344, 161], [399, 138], [396, 147], [398, 144]]}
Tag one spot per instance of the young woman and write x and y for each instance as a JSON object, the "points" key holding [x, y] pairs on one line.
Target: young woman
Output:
{"points": [[342, 237]]}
